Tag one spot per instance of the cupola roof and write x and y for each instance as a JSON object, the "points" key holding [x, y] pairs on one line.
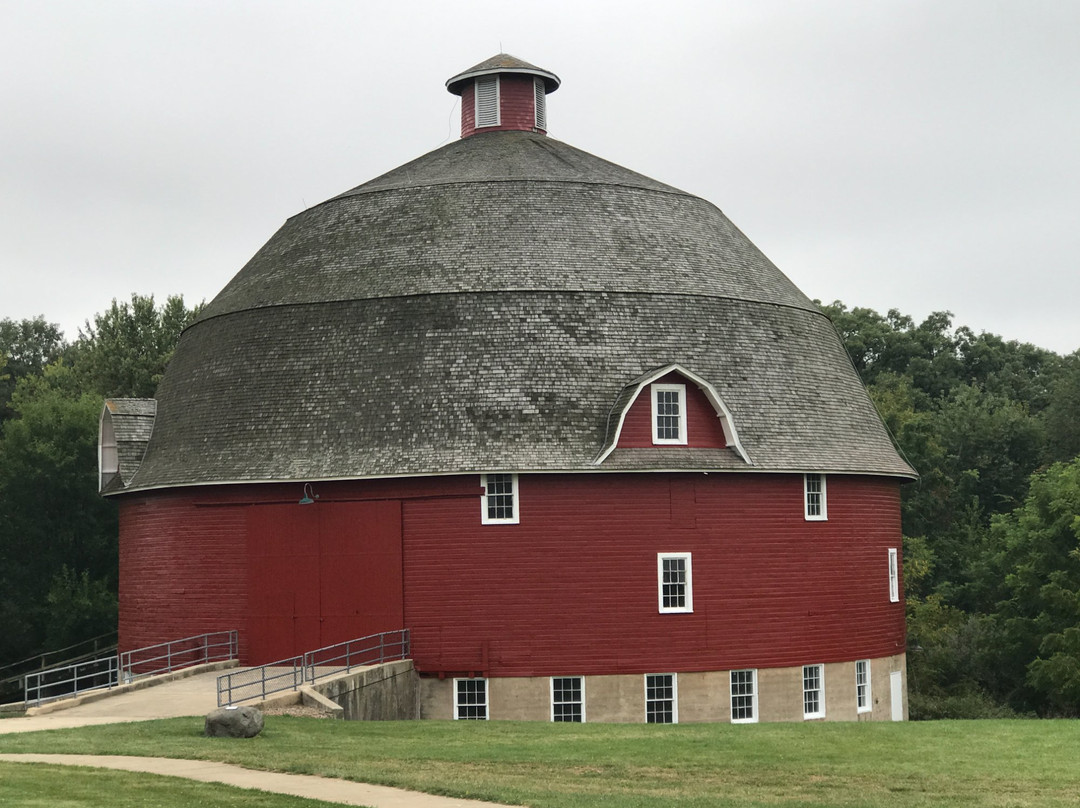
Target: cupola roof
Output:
{"points": [[502, 63]]}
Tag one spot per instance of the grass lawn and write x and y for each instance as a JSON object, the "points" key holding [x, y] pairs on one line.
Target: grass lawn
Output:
{"points": [[961, 763], [34, 785]]}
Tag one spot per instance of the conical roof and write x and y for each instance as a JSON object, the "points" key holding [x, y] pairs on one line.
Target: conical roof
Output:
{"points": [[483, 308]]}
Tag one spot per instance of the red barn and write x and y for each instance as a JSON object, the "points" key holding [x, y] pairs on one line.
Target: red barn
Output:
{"points": [[562, 421]]}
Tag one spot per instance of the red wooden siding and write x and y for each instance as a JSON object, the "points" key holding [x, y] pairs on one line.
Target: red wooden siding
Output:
{"points": [[703, 429], [571, 589], [517, 106]]}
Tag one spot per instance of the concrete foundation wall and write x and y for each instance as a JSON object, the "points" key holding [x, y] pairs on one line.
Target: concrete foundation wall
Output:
{"points": [[388, 692], [701, 697]]}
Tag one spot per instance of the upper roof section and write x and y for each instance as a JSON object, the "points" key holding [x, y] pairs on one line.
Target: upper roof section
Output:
{"points": [[503, 93], [509, 211]]}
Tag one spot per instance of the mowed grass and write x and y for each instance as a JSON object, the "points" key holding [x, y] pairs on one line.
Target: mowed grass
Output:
{"points": [[35, 785], [962, 763]]}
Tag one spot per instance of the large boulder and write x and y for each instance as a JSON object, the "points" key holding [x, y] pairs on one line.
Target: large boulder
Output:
{"points": [[233, 722]]}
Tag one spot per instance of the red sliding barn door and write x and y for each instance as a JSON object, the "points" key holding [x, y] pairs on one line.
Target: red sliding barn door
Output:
{"points": [[321, 574]]}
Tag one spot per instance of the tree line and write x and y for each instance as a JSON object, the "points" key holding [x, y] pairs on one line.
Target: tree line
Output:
{"points": [[991, 527], [58, 538]]}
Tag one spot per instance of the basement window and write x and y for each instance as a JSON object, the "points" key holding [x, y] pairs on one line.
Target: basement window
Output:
{"points": [[862, 686], [661, 699], [814, 503], [486, 92], [567, 698], [674, 583], [470, 699], [744, 697], [813, 691], [669, 416], [499, 504]]}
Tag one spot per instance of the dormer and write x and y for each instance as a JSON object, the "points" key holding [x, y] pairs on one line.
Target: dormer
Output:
{"points": [[502, 94], [123, 432], [670, 409]]}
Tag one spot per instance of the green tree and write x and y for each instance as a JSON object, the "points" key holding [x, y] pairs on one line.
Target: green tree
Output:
{"points": [[1062, 414], [125, 351], [1039, 558], [26, 347], [50, 511]]}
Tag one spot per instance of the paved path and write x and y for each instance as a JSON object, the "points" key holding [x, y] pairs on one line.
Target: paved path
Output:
{"points": [[298, 785], [196, 696]]}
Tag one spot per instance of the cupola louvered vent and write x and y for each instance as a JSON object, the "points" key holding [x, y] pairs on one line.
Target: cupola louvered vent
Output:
{"points": [[487, 101], [541, 103]]}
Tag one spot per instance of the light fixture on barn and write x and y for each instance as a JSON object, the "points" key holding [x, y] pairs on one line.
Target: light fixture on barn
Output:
{"points": [[308, 498]]}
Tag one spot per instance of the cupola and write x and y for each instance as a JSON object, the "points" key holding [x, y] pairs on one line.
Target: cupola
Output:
{"points": [[503, 93]]}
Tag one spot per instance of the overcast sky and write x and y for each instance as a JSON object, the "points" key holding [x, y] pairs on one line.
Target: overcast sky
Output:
{"points": [[922, 156]]}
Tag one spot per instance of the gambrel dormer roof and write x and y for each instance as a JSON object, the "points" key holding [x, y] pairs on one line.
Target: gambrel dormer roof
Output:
{"points": [[633, 391], [483, 307]]}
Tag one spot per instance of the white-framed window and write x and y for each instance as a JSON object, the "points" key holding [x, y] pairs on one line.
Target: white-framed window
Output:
{"points": [[669, 413], [744, 697], [486, 92], [813, 691], [661, 698], [894, 577], [540, 94], [499, 504], [470, 699], [567, 698], [675, 585], [814, 502], [862, 686]]}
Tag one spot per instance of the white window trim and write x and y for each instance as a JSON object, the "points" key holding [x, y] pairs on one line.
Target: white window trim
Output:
{"points": [[667, 388], [894, 576], [487, 699], [821, 692], [674, 695], [753, 696], [552, 691], [863, 708], [484, 518], [824, 515], [476, 101], [689, 607]]}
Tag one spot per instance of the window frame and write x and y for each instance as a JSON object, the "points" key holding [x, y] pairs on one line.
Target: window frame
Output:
{"points": [[819, 690], [458, 706], [688, 583], [753, 694], [863, 687], [674, 679], [654, 391], [823, 503], [894, 576], [580, 703], [487, 80], [485, 518]]}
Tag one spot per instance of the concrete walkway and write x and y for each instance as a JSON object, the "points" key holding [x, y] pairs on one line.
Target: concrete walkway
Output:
{"points": [[180, 695], [297, 785]]}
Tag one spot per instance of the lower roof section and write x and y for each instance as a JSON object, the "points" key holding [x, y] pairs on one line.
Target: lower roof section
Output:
{"points": [[452, 383]]}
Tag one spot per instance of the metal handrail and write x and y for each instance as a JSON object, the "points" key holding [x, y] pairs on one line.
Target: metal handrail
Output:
{"points": [[168, 656], [66, 681], [39, 660], [291, 673]]}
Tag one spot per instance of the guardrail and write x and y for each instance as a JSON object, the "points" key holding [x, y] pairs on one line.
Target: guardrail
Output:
{"points": [[166, 657], [290, 674], [67, 681]]}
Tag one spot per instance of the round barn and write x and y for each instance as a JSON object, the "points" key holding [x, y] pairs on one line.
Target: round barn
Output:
{"points": [[563, 422]]}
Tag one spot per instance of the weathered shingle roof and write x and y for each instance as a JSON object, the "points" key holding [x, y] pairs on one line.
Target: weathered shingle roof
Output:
{"points": [[503, 63], [482, 308], [132, 422]]}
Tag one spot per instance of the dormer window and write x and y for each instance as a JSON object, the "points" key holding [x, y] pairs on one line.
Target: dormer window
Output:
{"points": [[669, 413], [487, 101]]}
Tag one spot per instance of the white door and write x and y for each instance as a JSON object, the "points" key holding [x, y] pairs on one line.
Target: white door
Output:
{"points": [[896, 688]]}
